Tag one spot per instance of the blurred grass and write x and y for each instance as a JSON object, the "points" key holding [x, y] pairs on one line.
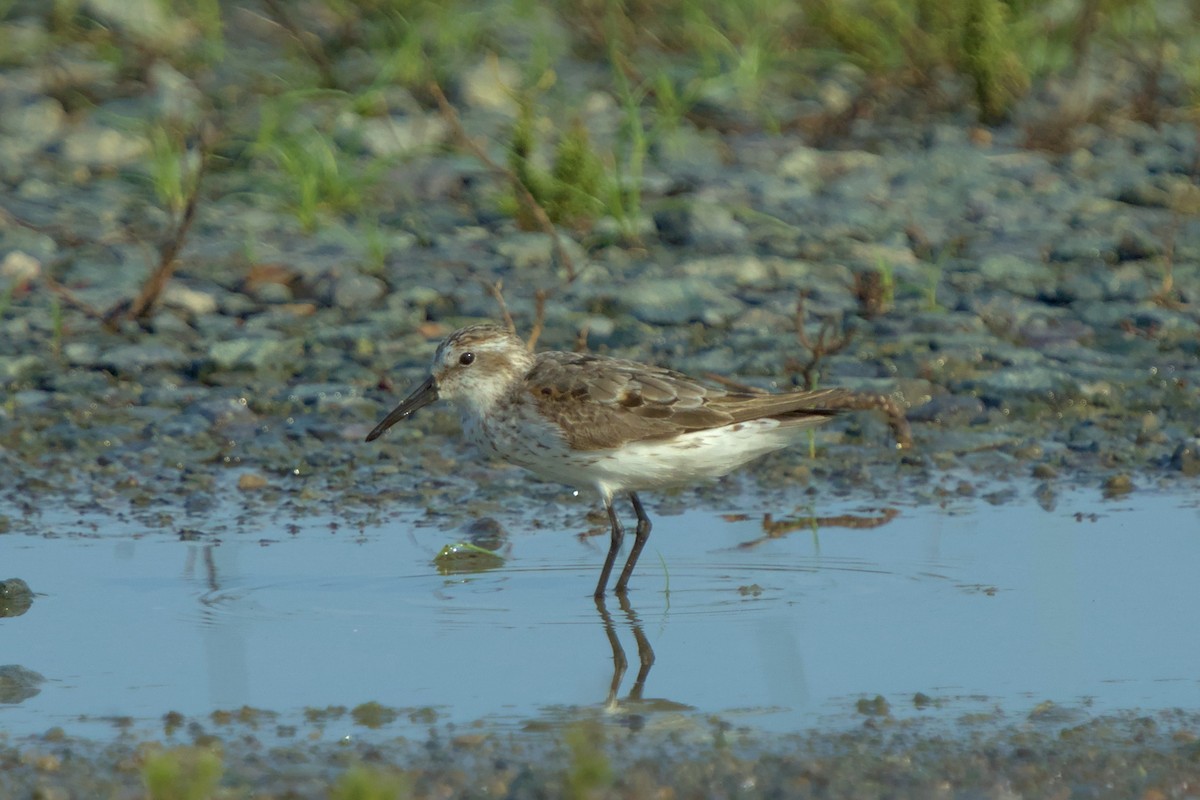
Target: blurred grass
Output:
{"points": [[285, 77]]}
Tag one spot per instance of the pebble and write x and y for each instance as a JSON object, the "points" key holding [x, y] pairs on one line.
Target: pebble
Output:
{"points": [[133, 358], [666, 301], [256, 353], [95, 145], [405, 136], [355, 291]]}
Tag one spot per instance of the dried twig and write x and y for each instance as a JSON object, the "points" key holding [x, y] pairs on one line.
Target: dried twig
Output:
{"points": [[496, 290], [524, 196], [871, 401], [539, 318], [775, 529], [140, 306], [825, 344], [168, 257], [730, 383], [68, 297]]}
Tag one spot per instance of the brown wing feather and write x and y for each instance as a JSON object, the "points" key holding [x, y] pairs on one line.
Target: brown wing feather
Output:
{"points": [[628, 401]]}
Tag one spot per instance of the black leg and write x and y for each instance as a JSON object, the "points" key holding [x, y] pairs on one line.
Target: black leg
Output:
{"points": [[639, 541], [618, 533], [618, 653], [645, 651]]}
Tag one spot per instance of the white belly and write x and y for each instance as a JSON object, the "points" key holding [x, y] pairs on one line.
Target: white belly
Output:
{"points": [[656, 464]]}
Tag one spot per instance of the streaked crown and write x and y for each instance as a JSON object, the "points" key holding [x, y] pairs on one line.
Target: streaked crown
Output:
{"points": [[477, 365]]}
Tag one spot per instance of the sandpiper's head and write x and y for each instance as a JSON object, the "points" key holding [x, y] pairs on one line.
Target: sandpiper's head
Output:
{"points": [[472, 368]]}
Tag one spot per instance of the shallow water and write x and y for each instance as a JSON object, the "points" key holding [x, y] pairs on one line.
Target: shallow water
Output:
{"points": [[979, 607]]}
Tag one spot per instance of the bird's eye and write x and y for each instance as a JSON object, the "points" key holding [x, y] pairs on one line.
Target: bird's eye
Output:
{"points": [[466, 359]]}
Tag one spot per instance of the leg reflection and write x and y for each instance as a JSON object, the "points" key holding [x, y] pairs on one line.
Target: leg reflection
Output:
{"points": [[620, 662]]}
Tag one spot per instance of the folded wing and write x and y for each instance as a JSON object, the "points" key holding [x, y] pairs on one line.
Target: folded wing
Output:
{"points": [[628, 401]]}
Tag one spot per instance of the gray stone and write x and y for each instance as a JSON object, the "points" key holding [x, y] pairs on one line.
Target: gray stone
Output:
{"points": [[98, 146], [191, 300], [272, 293], [492, 84], [133, 358], [391, 137], [28, 126], [148, 21], [1186, 457], [256, 353], [1025, 381], [176, 97], [536, 250], [714, 224], [19, 268], [1016, 274], [355, 291], [947, 409], [18, 368], [18, 684], [675, 301], [740, 270], [82, 354]]}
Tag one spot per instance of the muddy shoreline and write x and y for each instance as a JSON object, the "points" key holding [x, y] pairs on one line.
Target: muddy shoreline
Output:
{"points": [[1034, 308]]}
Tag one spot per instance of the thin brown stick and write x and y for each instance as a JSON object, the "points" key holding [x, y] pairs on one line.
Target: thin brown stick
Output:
{"points": [[825, 344], [539, 318], [871, 401], [168, 257], [524, 196], [730, 383], [496, 290], [775, 529], [581, 337], [68, 297]]}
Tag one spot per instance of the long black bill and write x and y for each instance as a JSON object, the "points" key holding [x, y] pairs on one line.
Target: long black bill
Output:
{"points": [[420, 397]]}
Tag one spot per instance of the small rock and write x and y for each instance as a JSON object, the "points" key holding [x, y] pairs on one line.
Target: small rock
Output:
{"points": [[15, 597], [947, 409], [1117, 485], [1145, 193], [674, 225], [147, 21], [177, 98], [741, 270], [1186, 457], [95, 146], [132, 358], [1026, 381], [487, 532], [354, 290], [19, 267], [82, 354], [257, 353], [492, 84], [876, 706], [17, 368], [251, 481], [191, 300], [675, 301], [29, 126], [714, 224], [402, 135], [1023, 276], [18, 684], [536, 250], [1135, 246]]}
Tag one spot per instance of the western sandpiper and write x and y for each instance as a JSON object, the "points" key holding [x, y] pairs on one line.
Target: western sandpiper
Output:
{"points": [[605, 423]]}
